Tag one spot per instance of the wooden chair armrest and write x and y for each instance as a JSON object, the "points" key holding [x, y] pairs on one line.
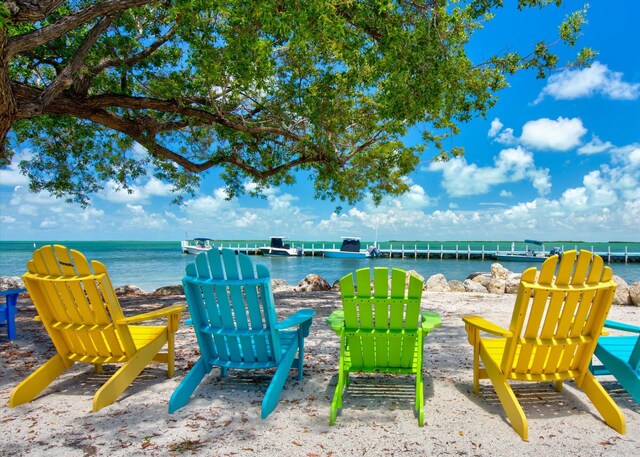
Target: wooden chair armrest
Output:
{"points": [[299, 317], [484, 325], [336, 320], [621, 326], [12, 292], [430, 320], [164, 312]]}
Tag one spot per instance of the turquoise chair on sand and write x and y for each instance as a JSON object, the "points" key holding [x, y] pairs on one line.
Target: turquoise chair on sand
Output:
{"points": [[620, 357], [233, 314]]}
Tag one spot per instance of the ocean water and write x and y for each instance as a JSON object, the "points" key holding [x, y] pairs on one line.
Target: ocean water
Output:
{"points": [[151, 265]]}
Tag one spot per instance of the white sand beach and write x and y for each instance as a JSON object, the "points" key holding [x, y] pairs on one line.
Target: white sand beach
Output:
{"points": [[223, 418]]}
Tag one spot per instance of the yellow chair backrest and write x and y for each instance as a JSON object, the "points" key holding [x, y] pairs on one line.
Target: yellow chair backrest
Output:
{"points": [[78, 306], [557, 319]]}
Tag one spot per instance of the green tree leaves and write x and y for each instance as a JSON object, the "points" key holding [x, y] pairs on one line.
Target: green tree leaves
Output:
{"points": [[252, 90]]}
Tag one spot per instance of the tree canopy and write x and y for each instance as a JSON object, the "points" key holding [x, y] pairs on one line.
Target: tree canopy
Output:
{"points": [[262, 91]]}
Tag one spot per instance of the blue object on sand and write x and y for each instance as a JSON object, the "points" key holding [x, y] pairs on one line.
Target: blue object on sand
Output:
{"points": [[9, 309]]}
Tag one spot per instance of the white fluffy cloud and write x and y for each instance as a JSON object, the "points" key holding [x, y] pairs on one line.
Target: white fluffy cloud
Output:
{"points": [[561, 134], [394, 214], [11, 176], [496, 126], [208, 205], [7, 219], [597, 79], [628, 156], [216, 216], [595, 146], [44, 211], [514, 164], [138, 193], [596, 192], [624, 174], [593, 208]]}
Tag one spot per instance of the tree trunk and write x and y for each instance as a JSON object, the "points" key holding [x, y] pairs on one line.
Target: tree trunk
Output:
{"points": [[8, 108]]}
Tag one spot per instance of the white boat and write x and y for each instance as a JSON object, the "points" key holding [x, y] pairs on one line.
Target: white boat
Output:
{"points": [[350, 249], [279, 248], [529, 255], [196, 245]]}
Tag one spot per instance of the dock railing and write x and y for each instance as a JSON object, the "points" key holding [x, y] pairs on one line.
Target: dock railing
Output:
{"points": [[456, 252]]}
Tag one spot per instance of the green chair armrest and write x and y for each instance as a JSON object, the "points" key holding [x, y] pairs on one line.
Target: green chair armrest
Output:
{"points": [[484, 325], [164, 312], [336, 320], [621, 326], [430, 320], [299, 317]]}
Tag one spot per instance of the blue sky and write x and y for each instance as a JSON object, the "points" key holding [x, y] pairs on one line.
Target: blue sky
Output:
{"points": [[555, 159]]}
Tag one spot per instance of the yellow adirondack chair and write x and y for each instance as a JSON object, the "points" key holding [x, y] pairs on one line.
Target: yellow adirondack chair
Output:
{"points": [[553, 333], [81, 313]]}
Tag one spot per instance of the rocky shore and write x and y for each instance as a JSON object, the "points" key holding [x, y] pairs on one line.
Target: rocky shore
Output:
{"points": [[498, 281]]}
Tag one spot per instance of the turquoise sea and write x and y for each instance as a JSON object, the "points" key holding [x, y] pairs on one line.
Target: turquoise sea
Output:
{"points": [[153, 264]]}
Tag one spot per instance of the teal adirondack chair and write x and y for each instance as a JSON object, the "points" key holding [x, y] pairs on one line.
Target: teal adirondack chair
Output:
{"points": [[233, 314], [381, 330], [620, 357]]}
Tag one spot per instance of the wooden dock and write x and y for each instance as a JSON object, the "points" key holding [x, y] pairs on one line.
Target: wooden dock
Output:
{"points": [[461, 252]]}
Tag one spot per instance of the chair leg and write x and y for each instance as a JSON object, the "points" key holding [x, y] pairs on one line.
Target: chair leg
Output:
{"points": [[37, 381], [336, 404], [171, 354], [558, 386], [189, 384], [420, 399], [507, 398], [604, 403], [476, 369], [127, 373], [272, 395], [300, 353]]}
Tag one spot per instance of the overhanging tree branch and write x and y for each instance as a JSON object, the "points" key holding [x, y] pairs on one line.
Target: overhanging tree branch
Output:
{"points": [[68, 23], [65, 78], [127, 62], [30, 10]]}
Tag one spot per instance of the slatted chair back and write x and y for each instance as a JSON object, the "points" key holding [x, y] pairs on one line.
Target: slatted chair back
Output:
{"points": [[381, 320], [232, 310], [78, 306], [558, 317]]}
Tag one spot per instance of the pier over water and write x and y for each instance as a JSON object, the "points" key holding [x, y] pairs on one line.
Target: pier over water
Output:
{"points": [[611, 253]]}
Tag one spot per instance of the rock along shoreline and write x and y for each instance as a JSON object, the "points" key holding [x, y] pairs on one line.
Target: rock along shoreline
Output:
{"points": [[499, 280]]}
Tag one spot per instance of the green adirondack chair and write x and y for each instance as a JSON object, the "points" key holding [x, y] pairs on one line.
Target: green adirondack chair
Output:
{"points": [[382, 329], [620, 357], [234, 318]]}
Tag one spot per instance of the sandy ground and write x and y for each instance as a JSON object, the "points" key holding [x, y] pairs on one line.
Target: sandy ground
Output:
{"points": [[223, 418]]}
